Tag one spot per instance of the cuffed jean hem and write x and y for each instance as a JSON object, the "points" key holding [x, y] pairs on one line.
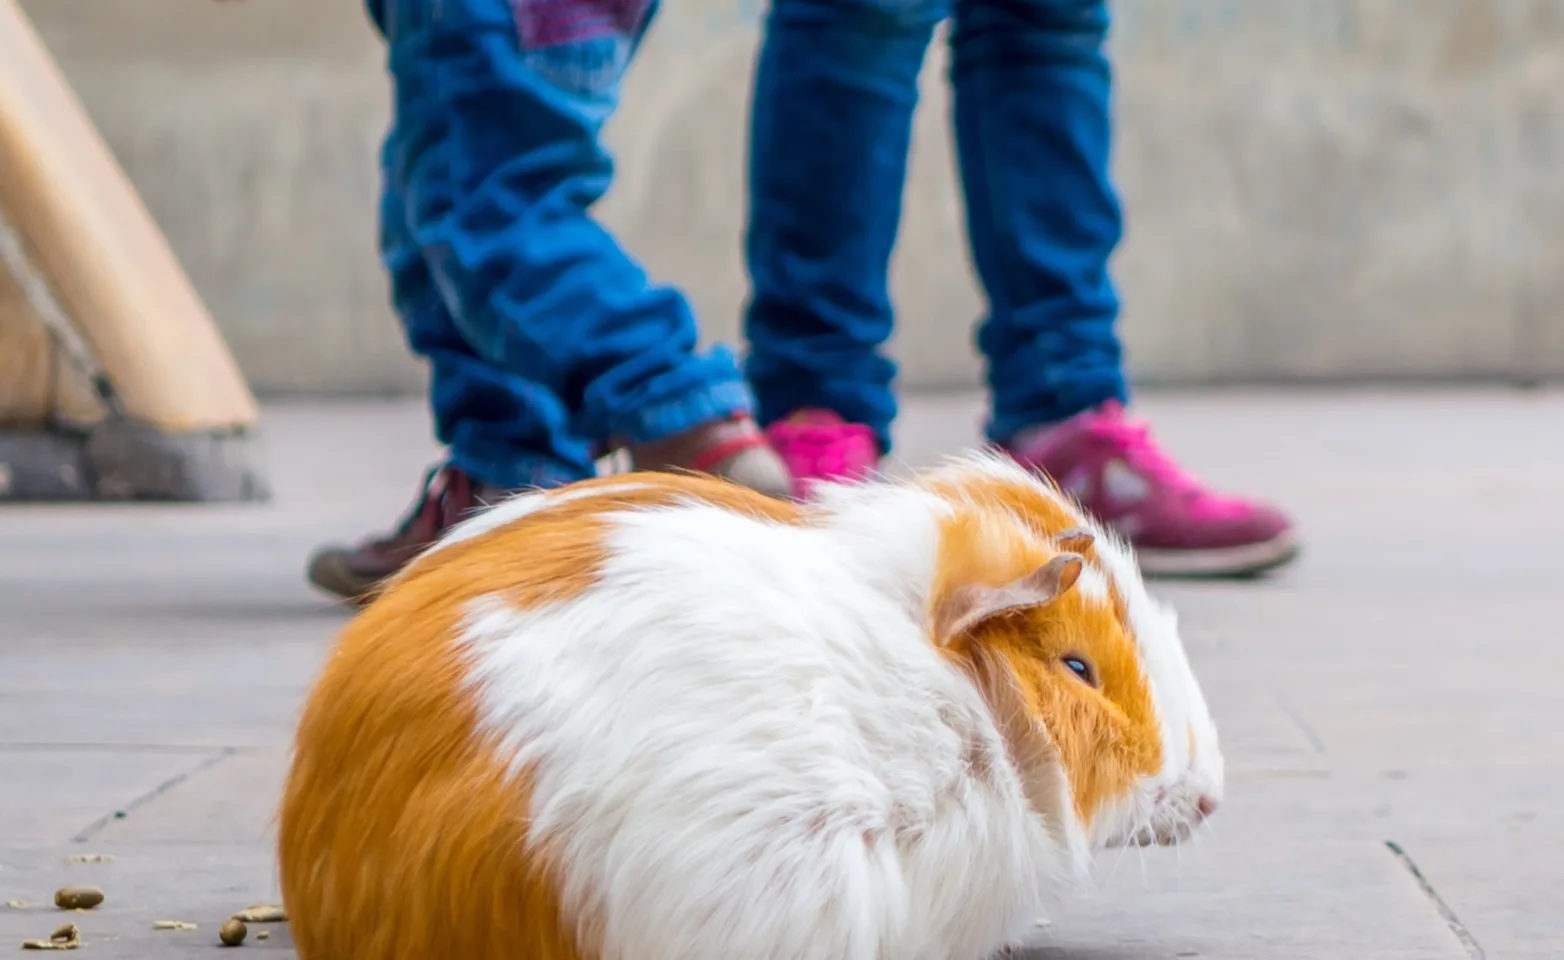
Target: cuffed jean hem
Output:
{"points": [[1002, 426], [705, 404]]}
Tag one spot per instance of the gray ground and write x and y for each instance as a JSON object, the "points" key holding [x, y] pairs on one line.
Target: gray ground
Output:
{"points": [[1391, 707]]}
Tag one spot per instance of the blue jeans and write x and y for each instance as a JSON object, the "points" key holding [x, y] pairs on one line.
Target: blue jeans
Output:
{"points": [[832, 123], [546, 341]]}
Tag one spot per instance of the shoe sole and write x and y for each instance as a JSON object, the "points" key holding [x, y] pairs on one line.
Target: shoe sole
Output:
{"points": [[329, 574], [1247, 561], [764, 473]]}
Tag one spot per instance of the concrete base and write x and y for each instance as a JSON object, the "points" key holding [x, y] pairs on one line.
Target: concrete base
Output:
{"points": [[42, 465], [128, 461]]}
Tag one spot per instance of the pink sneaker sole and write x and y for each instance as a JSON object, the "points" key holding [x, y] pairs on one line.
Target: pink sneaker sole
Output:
{"points": [[1248, 560]]}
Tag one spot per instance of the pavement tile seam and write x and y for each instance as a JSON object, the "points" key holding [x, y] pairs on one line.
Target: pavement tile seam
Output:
{"points": [[172, 783], [1457, 928], [1301, 724]]}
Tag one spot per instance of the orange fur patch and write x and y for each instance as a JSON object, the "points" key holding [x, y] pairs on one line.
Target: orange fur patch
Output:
{"points": [[1045, 516], [653, 489], [402, 836], [1107, 737]]}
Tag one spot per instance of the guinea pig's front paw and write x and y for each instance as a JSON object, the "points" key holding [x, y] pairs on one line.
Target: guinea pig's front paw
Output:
{"points": [[1017, 948]]}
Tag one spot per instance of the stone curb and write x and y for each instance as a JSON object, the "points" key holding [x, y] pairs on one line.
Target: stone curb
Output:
{"points": [[129, 461]]}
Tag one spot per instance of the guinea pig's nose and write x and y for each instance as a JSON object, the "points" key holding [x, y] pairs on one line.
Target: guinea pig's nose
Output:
{"points": [[1207, 805]]}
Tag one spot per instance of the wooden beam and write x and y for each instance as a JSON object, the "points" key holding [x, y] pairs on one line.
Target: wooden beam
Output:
{"points": [[98, 245], [38, 385]]}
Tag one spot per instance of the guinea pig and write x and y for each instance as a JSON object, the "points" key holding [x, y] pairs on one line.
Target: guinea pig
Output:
{"points": [[661, 717]]}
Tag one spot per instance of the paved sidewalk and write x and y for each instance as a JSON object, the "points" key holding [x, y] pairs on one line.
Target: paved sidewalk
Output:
{"points": [[1391, 708]]}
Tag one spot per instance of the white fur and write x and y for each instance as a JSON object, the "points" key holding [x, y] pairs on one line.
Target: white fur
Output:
{"points": [[743, 745]]}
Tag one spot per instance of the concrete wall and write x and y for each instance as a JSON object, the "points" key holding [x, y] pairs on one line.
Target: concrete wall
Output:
{"points": [[1318, 189]]}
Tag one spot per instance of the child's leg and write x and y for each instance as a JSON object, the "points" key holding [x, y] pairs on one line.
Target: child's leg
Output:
{"points": [[1033, 131], [503, 431], [1031, 83], [835, 89], [547, 343], [500, 104]]}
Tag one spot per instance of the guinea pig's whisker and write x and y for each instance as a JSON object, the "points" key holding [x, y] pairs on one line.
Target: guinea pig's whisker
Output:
{"points": [[1203, 840], [1114, 870], [1132, 837]]}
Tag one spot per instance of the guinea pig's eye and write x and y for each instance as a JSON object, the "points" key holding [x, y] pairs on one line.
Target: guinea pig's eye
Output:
{"points": [[1082, 668]]}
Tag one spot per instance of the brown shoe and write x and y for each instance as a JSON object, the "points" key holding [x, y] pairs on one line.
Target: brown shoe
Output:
{"points": [[734, 449], [355, 573]]}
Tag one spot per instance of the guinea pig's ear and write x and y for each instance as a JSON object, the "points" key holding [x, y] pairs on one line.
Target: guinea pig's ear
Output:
{"points": [[1075, 539], [967, 606]]}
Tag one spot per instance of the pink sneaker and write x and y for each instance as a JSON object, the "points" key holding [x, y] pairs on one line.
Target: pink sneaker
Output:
{"points": [[818, 445], [1178, 527]]}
